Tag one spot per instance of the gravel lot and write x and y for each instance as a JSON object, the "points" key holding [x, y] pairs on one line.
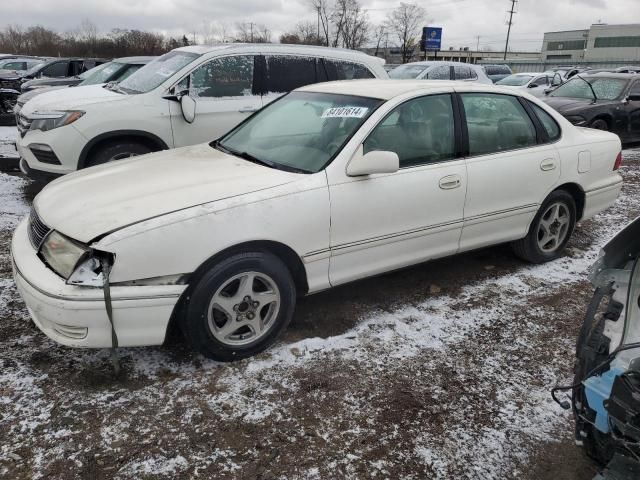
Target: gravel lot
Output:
{"points": [[438, 371]]}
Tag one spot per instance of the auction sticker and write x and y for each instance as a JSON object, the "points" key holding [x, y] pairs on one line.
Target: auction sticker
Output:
{"points": [[345, 112]]}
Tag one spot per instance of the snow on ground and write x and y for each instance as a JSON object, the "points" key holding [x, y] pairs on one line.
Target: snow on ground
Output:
{"points": [[8, 137], [440, 371]]}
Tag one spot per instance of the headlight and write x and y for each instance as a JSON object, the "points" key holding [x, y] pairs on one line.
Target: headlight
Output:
{"points": [[49, 120], [576, 120], [76, 263], [62, 254]]}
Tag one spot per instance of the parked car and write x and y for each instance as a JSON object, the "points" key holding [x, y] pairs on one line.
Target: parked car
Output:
{"points": [[72, 77], [628, 69], [11, 81], [567, 71], [114, 71], [497, 72], [606, 387], [185, 97], [534, 83], [606, 101], [331, 183], [18, 64], [440, 70]]}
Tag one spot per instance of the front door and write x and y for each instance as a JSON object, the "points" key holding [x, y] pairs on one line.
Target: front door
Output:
{"points": [[386, 221], [509, 172], [225, 94]]}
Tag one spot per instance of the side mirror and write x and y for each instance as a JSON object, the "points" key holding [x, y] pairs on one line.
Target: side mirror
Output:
{"points": [[188, 106], [377, 161], [634, 97], [533, 85]]}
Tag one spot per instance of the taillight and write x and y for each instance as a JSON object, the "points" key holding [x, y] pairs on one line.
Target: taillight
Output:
{"points": [[618, 163]]}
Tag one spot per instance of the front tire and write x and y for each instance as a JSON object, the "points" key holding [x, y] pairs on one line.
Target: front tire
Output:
{"points": [[117, 150], [550, 230], [240, 306], [599, 124]]}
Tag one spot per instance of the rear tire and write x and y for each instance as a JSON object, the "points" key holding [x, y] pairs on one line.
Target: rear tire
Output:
{"points": [[550, 230], [240, 306], [116, 150]]}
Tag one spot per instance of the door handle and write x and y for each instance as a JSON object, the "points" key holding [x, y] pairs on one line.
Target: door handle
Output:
{"points": [[450, 182], [548, 165], [248, 109]]}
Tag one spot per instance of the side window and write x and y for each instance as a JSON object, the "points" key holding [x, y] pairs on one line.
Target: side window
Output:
{"points": [[635, 88], [472, 74], [56, 70], [288, 72], [222, 77], [540, 81], [15, 66], [496, 123], [549, 124], [443, 72], [343, 70], [461, 72], [420, 131]]}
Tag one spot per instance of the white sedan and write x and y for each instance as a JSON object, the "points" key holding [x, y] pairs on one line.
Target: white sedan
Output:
{"points": [[332, 183], [533, 83]]}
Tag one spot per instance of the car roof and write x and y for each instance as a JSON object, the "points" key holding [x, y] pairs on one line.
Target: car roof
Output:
{"points": [[627, 76], [134, 59], [388, 89], [529, 74], [283, 48]]}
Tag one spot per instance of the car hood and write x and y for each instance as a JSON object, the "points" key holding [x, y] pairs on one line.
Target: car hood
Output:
{"points": [[90, 203], [25, 97], [566, 104], [10, 75], [72, 98], [50, 82]]}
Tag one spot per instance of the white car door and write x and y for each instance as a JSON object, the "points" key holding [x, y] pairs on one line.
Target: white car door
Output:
{"points": [[385, 221], [225, 93], [509, 171]]}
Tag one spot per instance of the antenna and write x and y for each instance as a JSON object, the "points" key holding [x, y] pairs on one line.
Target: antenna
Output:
{"points": [[511, 12]]}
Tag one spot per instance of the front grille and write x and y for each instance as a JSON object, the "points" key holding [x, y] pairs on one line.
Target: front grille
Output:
{"points": [[45, 156], [37, 229], [24, 124]]}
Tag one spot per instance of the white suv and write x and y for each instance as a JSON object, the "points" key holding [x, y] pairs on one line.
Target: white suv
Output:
{"points": [[187, 96]]}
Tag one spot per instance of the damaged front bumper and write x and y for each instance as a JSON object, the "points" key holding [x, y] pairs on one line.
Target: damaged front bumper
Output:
{"points": [[606, 390], [76, 316]]}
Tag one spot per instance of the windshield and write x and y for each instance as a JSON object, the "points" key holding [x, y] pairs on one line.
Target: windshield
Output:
{"points": [[406, 72], [34, 68], [100, 74], [300, 132], [604, 88], [515, 80], [157, 71]]}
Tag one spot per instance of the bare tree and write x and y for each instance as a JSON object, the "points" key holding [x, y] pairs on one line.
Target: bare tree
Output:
{"points": [[354, 24], [379, 33], [250, 32], [305, 33], [324, 13], [404, 23]]}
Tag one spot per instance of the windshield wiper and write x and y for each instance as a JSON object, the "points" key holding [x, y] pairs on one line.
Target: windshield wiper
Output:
{"points": [[595, 97], [113, 86], [247, 156]]}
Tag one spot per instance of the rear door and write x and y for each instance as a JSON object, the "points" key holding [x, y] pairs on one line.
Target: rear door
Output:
{"points": [[510, 169], [225, 91]]}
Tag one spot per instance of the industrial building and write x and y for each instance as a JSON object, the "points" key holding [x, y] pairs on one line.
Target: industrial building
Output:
{"points": [[601, 42]]}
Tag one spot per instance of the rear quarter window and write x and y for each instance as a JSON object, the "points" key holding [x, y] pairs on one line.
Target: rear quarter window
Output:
{"points": [[550, 125]]}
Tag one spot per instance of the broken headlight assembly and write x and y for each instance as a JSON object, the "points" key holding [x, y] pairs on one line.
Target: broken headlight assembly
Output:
{"points": [[73, 261], [45, 121]]}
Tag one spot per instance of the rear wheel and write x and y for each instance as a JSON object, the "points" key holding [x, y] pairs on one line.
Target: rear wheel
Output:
{"points": [[240, 306], [117, 150], [550, 230]]}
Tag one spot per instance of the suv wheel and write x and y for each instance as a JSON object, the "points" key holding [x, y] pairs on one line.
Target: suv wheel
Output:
{"points": [[240, 306], [116, 150]]}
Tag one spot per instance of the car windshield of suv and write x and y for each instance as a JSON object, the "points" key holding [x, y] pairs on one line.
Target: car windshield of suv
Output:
{"points": [[515, 80], [100, 74], [156, 72], [406, 72], [604, 88], [301, 132]]}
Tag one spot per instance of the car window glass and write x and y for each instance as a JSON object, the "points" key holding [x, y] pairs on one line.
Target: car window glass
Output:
{"points": [[441, 72], [347, 70], [404, 72], [461, 72], [129, 70], [58, 69], [472, 74], [223, 77], [540, 80], [288, 72], [549, 124], [496, 123], [420, 131], [603, 87], [14, 66], [635, 88]]}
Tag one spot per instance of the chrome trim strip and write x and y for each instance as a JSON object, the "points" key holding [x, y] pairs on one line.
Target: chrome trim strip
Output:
{"points": [[501, 212]]}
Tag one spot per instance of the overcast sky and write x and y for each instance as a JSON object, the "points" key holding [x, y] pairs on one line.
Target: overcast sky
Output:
{"points": [[462, 20]]}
